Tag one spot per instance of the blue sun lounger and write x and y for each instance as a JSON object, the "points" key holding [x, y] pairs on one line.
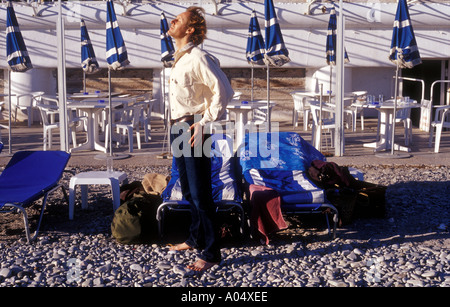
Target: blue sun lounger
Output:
{"points": [[28, 177], [279, 161], [226, 192]]}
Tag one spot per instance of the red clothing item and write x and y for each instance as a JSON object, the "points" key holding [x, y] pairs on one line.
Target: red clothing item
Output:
{"points": [[266, 216]]}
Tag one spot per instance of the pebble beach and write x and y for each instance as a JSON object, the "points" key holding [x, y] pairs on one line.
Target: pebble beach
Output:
{"points": [[407, 248]]}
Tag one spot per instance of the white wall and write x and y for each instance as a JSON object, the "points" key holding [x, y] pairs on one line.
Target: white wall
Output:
{"points": [[368, 31]]}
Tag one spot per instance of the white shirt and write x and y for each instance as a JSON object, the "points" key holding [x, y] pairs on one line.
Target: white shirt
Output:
{"points": [[197, 85]]}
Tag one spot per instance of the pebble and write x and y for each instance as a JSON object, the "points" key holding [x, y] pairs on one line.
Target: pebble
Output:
{"points": [[407, 248]]}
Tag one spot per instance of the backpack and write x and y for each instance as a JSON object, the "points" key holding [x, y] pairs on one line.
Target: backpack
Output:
{"points": [[330, 175], [134, 222], [352, 198]]}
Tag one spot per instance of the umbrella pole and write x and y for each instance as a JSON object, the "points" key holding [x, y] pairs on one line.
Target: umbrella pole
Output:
{"points": [[164, 93], [110, 113], [84, 81], [252, 84], [320, 118], [9, 111], [331, 82], [268, 99], [395, 109]]}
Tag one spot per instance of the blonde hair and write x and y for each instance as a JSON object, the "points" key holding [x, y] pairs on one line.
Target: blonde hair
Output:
{"points": [[198, 23]]}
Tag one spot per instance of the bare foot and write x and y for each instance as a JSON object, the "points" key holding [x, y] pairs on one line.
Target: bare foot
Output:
{"points": [[179, 247], [201, 265]]}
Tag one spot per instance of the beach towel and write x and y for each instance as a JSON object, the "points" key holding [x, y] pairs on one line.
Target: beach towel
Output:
{"points": [[266, 217]]}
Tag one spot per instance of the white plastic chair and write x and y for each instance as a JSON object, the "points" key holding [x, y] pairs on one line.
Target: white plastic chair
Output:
{"points": [[145, 117], [300, 106], [128, 123], [2, 126], [24, 102], [259, 114], [48, 123], [357, 109], [441, 120], [328, 123], [404, 115]]}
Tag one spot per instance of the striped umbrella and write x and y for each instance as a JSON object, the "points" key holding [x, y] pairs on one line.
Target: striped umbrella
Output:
{"points": [[167, 51], [167, 48], [255, 45], [404, 51], [331, 45], [88, 60], [276, 52], [116, 52], [331, 40], [16, 54], [116, 55]]}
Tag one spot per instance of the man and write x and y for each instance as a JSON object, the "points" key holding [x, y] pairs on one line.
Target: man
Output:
{"points": [[199, 92]]}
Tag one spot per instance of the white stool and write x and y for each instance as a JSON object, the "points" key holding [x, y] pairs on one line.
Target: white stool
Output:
{"points": [[114, 179]]}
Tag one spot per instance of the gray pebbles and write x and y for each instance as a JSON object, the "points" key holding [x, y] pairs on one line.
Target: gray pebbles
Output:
{"points": [[408, 248]]}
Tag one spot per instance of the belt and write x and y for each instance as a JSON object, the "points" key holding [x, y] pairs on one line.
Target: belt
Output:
{"points": [[185, 118]]}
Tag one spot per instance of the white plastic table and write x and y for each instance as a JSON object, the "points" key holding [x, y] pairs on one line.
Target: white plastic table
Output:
{"points": [[241, 110], [92, 107], [114, 179], [387, 120]]}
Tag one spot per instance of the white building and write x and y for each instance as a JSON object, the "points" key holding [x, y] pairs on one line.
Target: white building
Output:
{"points": [[368, 31]]}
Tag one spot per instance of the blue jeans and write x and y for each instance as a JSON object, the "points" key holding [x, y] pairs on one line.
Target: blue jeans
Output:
{"points": [[195, 178]]}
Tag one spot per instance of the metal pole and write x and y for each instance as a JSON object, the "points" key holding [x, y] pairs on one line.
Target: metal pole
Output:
{"points": [[64, 133], [320, 117], [395, 109], [9, 111], [339, 133], [268, 98], [110, 114]]}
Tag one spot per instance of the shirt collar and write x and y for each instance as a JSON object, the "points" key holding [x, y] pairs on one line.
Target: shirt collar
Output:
{"points": [[179, 53]]}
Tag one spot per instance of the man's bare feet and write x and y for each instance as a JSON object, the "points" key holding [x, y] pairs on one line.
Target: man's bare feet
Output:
{"points": [[201, 265], [179, 247]]}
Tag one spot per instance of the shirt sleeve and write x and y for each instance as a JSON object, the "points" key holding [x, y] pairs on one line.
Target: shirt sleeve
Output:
{"points": [[217, 82]]}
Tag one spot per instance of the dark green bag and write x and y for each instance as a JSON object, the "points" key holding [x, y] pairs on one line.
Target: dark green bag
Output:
{"points": [[134, 222]]}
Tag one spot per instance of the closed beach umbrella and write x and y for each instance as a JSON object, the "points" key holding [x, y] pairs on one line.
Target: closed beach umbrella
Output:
{"points": [[404, 51], [88, 61], [116, 52], [276, 52], [167, 48], [331, 44], [16, 54], [167, 51], [116, 55], [255, 45]]}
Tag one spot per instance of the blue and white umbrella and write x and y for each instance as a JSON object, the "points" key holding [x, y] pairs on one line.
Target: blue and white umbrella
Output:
{"points": [[116, 52], [88, 60], [167, 51], [116, 56], [167, 48], [276, 53], [255, 45], [331, 40], [255, 42], [16, 54], [331, 45], [404, 51]]}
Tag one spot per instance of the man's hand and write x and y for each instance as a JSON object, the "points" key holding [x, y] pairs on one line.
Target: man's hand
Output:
{"points": [[197, 136]]}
